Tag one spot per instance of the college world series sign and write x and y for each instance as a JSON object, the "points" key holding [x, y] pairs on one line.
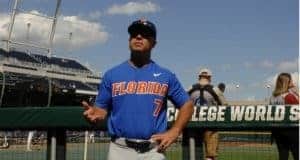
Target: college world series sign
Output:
{"points": [[259, 116], [221, 117]]}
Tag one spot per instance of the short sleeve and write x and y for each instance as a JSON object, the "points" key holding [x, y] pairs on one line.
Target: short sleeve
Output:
{"points": [[176, 93], [291, 99], [103, 99]]}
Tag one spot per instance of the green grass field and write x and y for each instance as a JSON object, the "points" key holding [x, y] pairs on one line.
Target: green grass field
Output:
{"points": [[233, 146], [98, 151]]}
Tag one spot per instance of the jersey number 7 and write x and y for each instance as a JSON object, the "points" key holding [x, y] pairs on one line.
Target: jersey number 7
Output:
{"points": [[158, 104]]}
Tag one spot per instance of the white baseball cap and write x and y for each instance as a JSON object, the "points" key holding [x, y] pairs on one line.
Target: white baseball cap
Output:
{"points": [[205, 72]]}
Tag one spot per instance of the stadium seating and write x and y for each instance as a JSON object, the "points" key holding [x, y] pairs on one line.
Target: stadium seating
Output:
{"points": [[26, 89], [62, 62], [21, 56], [69, 84], [42, 59]]}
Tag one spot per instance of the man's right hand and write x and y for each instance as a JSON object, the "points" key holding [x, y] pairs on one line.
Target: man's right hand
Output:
{"points": [[93, 114]]}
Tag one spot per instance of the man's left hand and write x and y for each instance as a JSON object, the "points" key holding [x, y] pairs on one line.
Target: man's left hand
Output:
{"points": [[165, 139]]}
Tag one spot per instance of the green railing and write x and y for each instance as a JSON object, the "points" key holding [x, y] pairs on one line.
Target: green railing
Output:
{"points": [[57, 120]]}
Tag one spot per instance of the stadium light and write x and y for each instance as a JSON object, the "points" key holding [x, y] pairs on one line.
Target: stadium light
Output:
{"points": [[28, 31]]}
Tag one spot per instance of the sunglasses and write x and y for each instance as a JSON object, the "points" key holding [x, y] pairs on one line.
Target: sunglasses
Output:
{"points": [[144, 34]]}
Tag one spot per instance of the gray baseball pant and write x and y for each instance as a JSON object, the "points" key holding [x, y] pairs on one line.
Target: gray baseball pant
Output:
{"points": [[118, 152]]}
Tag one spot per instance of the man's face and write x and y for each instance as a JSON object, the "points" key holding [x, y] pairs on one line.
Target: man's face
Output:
{"points": [[141, 42]]}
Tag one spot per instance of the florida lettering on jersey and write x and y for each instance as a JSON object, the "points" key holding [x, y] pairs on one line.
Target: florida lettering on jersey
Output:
{"points": [[139, 87]]}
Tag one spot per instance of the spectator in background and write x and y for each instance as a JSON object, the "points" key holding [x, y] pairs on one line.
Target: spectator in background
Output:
{"points": [[29, 140], [91, 137], [220, 89], [203, 94], [287, 139], [5, 144]]}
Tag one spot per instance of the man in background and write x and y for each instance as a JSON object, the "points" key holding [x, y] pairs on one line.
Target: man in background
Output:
{"points": [[204, 94], [220, 89]]}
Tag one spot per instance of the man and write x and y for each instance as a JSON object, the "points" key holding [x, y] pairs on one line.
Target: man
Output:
{"points": [[203, 94], [5, 144], [29, 140], [220, 89], [134, 95]]}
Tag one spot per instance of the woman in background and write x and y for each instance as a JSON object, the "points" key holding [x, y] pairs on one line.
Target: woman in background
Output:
{"points": [[286, 93]]}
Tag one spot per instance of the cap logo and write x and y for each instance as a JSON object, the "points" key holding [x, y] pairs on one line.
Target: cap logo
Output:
{"points": [[144, 21]]}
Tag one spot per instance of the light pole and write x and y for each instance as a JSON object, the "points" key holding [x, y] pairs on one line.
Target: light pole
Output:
{"points": [[268, 87], [237, 86], [28, 31], [28, 24], [70, 43]]}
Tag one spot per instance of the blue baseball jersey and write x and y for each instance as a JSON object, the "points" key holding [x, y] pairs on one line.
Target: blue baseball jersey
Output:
{"points": [[136, 99]]}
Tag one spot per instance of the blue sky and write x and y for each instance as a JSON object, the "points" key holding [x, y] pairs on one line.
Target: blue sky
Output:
{"points": [[243, 42]]}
